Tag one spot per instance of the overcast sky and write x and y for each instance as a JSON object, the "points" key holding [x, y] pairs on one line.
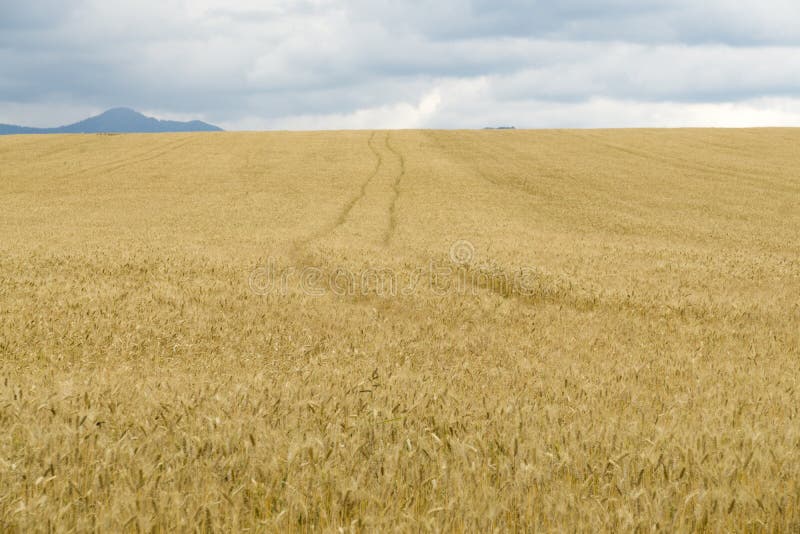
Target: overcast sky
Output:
{"points": [[320, 64]]}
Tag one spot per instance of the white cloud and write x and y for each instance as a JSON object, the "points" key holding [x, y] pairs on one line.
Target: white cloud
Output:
{"points": [[378, 63], [610, 113], [402, 115]]}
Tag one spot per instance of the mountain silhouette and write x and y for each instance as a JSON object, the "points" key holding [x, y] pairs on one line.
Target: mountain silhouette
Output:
{"points": [[117, 120]]}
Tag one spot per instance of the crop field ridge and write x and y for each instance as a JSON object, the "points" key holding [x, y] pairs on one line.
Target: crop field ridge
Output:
{"points": [[365, 331]]}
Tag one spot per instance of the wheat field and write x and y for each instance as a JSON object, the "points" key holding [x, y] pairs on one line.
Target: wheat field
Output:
{"points": [[483, 331]]}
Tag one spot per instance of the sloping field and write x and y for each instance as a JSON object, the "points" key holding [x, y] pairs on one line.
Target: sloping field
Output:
{"points": [[416, 330]]}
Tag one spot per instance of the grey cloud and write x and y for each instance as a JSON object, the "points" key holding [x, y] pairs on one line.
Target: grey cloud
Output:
{"points": [[31, 15], [675, 73], [240, 61], [643, 21]]}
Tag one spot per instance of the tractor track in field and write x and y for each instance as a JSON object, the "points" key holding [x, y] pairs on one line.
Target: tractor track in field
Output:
{"points": [[69, 148], [342, 218], [483, 175], [347, 209], [344, 214], [709, 171], [390, 230], [672, 161], [144, 157]]}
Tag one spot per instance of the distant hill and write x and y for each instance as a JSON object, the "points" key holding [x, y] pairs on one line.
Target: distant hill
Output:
{"points": [[117, 120]]}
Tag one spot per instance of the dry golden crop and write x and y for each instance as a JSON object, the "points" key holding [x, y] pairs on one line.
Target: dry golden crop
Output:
{"points": [[419, 330]]}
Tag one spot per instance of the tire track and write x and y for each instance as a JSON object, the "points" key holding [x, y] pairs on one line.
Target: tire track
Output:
{"points": [[68, 148], [170, 150], [667, 160], [154, 153], [341, 219], [709, 172], [363, 191], [390, 230], [480, 173]]}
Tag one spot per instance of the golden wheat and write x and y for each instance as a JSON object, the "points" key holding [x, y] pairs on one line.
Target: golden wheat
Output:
{"points": [[196, 331]]}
